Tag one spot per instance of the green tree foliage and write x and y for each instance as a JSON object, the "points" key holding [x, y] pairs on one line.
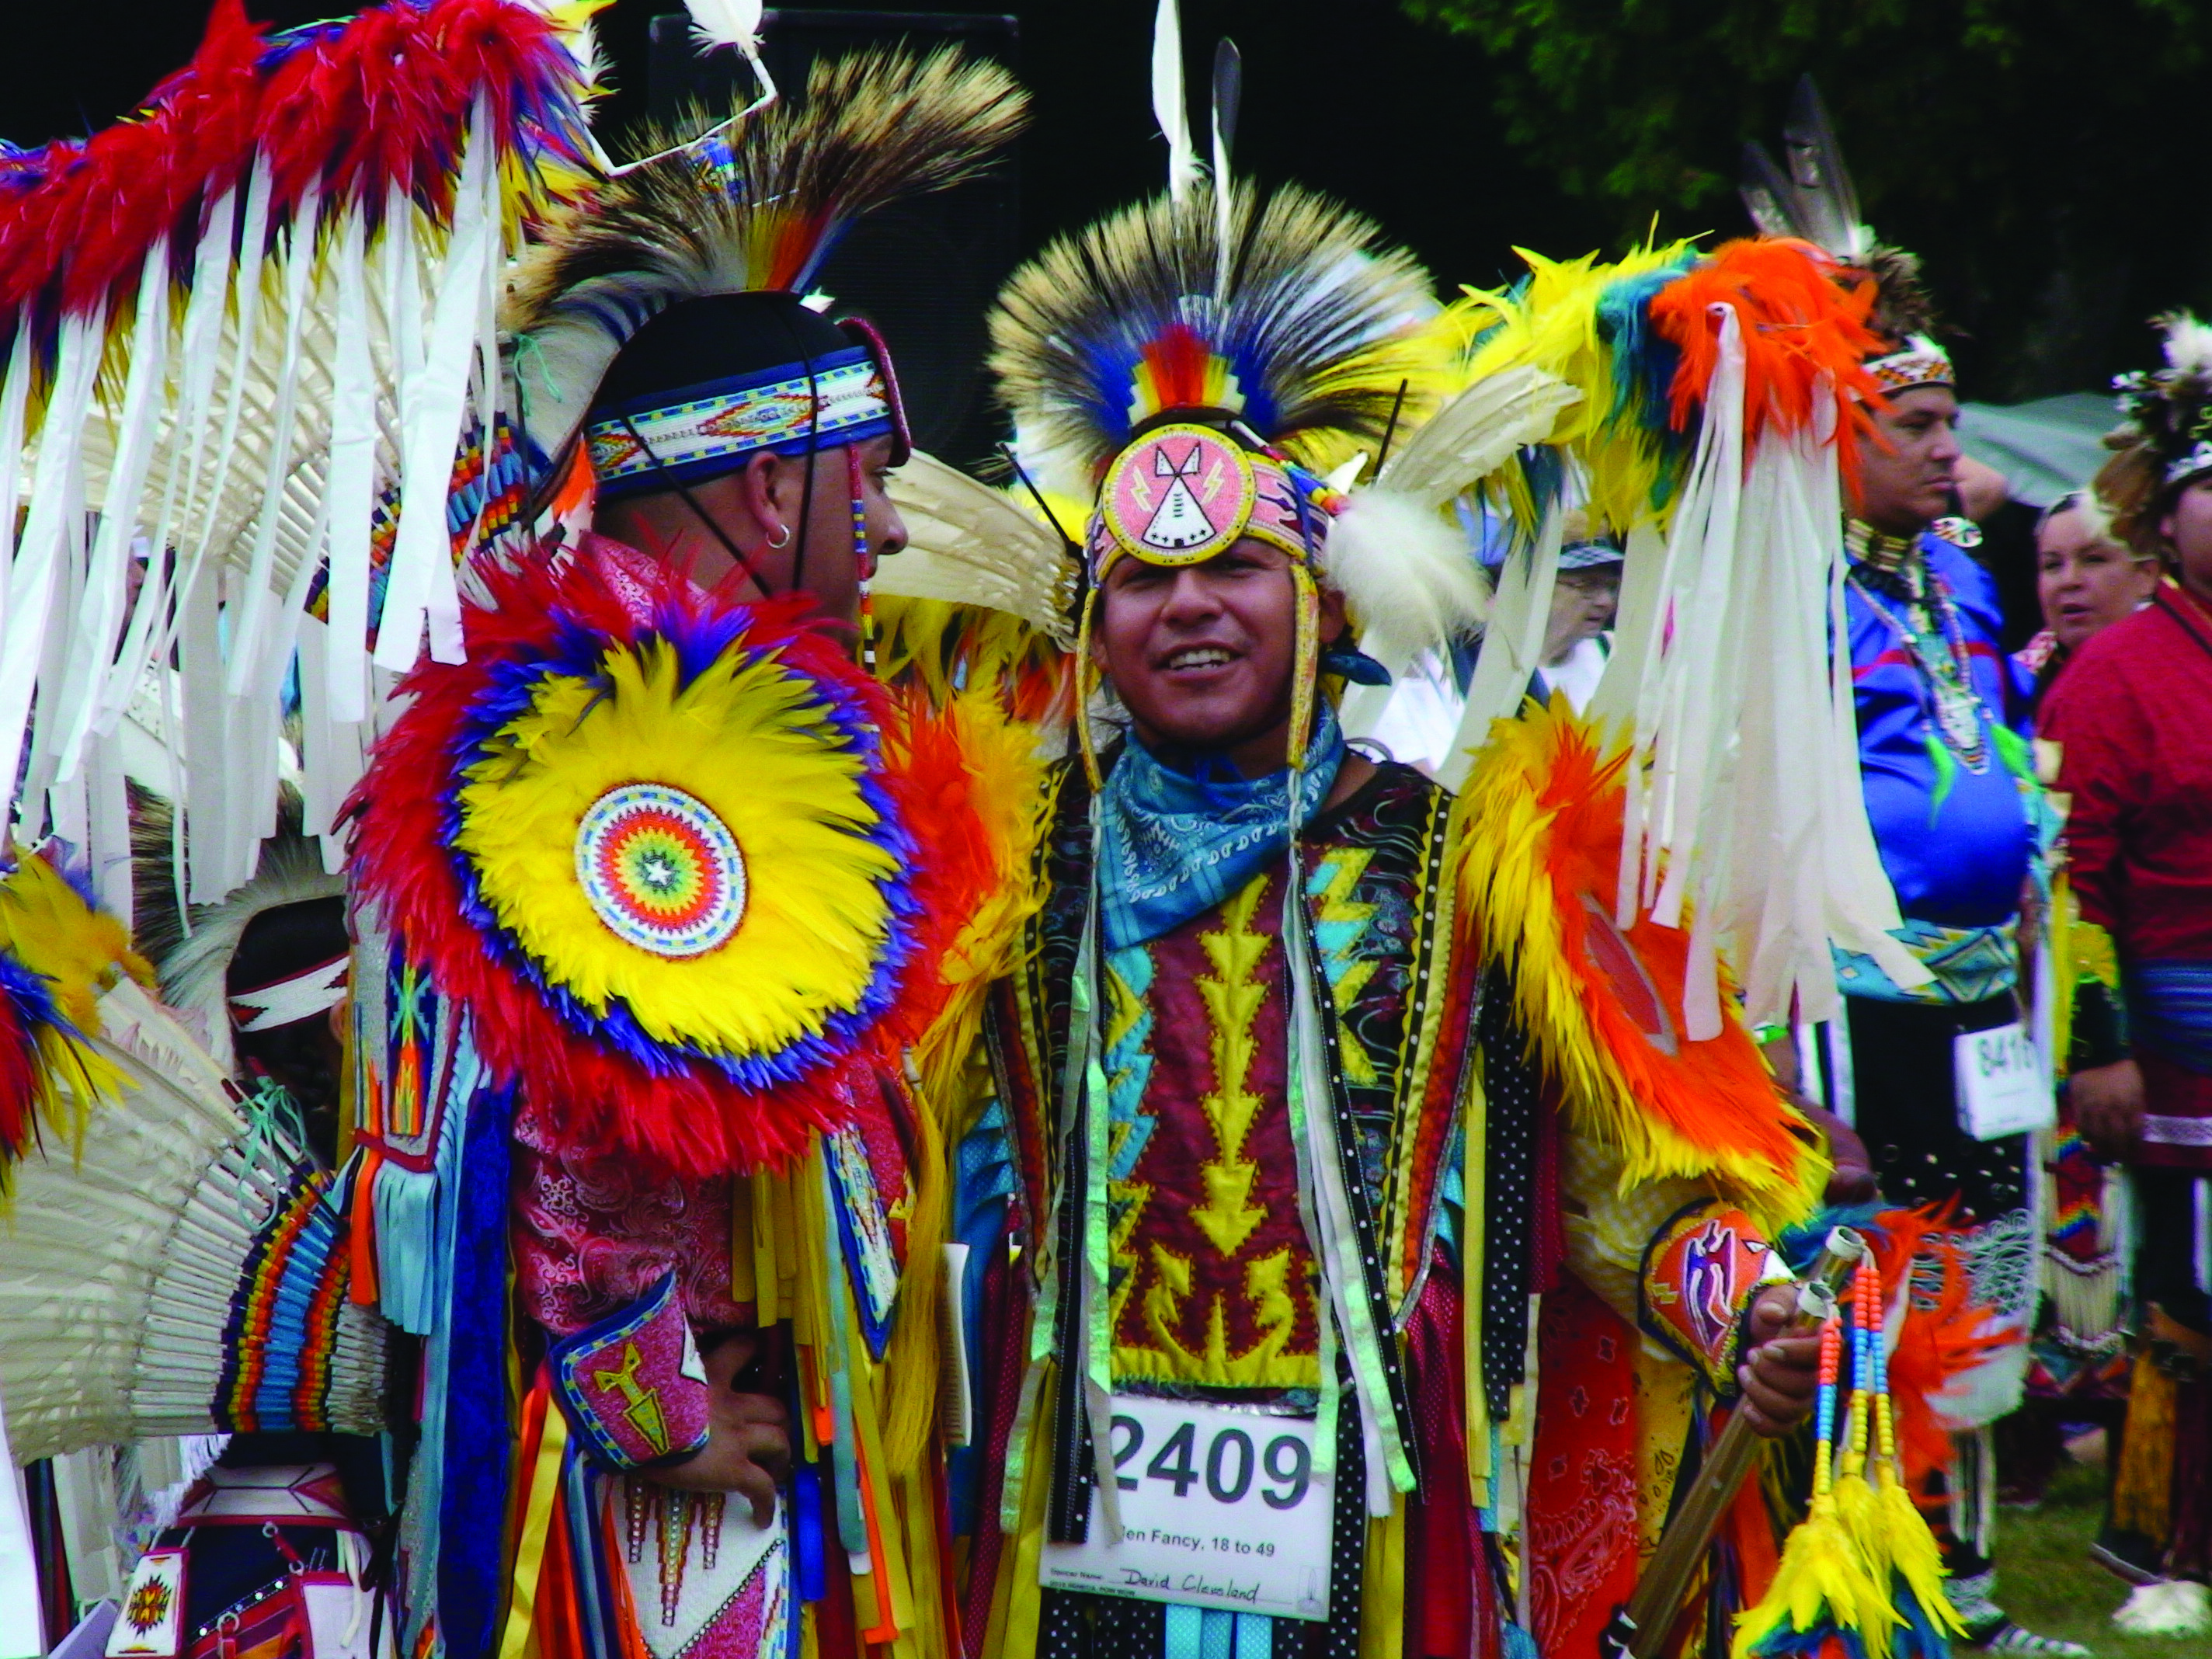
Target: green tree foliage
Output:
{"points": [[2049, 158]]}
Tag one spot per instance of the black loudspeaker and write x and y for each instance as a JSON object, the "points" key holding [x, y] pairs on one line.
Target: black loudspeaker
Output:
{"points": [[923, 271]]}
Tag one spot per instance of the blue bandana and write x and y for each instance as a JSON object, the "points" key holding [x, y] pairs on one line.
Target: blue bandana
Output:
{"points": [[1173, 845]]}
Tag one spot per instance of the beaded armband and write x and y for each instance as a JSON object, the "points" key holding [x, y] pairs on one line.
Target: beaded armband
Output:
{"points": [[631, 1386], [1700, 1272]]}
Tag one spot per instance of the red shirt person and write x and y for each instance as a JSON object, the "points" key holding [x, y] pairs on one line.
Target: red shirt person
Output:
{"points": [[2130, 716]]}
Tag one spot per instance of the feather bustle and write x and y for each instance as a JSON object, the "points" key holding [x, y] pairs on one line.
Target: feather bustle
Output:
{"points": [[1540, 826]]}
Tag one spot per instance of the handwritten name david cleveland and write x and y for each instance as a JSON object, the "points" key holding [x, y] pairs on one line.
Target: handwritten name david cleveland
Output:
{"points": [[1193, 1583]]}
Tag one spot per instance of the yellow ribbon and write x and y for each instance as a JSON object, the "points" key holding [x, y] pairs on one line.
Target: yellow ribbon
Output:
{"points": [[529, 1541]]}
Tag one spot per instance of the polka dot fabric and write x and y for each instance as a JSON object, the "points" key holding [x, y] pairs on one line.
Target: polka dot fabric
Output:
{"points": [[1513, 1095]]}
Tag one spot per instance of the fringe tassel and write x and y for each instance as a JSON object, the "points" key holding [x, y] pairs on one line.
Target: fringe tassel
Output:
{"points": [[1894, 1535], [1823, 1594], [2084, 1300], [1863, 1575]]}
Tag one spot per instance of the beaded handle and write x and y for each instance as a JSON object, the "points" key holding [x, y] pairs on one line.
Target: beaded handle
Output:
{"points": [[1832, 1348], [1885, 1423], [1866, 1305]]}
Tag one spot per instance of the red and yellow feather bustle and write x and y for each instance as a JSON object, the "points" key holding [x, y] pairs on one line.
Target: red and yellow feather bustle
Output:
{"points": [[1539, 833]]}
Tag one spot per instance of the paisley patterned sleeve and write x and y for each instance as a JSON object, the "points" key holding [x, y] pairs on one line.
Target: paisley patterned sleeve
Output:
{"points": [[592, 1235]]}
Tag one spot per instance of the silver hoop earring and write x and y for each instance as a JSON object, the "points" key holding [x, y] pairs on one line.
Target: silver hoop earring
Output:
{"points": [[786, 542]]}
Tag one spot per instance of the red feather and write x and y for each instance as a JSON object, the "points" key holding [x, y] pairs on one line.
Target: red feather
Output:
{"points": [[1179, 359], [958, 871], [93, 209], [383, 99], [19, 1083]]}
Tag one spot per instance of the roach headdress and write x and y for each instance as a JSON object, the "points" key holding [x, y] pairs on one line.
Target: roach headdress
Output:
{"points": [[665, 319], [2167, 437], [1193, 365]]}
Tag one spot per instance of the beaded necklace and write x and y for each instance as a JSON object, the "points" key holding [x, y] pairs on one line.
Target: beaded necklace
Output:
{"points": [[1891, 566]]}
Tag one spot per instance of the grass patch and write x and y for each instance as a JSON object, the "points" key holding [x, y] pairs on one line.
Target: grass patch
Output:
{"points": [[2046, 1581]]}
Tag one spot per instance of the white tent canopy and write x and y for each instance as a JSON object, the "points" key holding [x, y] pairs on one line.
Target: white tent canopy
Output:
{"points": [[2046, 448]]}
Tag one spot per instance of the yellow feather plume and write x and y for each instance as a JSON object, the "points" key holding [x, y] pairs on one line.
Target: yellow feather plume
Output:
{"points": [[1551, 323], [1823, 1578], [1858, 1512], [49, 930]]}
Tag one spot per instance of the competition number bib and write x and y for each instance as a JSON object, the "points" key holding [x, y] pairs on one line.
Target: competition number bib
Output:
{"points": [[2002, 1087], [1220, 1508]]}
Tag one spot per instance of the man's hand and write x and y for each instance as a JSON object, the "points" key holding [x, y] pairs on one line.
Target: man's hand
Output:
{"points": [[748, 1449], [2108, 1109], [1850, 1179], [1780, 1374]]}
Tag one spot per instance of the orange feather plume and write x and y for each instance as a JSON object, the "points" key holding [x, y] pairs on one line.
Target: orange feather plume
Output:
{"points": [[1803, 319], [975, 791]]}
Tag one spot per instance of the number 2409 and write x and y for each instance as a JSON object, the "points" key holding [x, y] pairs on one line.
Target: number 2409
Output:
{"points": [[1230, 1463]]}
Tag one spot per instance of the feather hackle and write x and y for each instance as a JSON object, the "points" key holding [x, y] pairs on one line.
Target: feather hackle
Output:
{"points": [[1317, 328], [1902, 306], [2168, 423], [757, 209]]}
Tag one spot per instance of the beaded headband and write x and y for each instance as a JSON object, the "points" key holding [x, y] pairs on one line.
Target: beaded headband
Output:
{"points": [[1920, 363], [700, 432]]}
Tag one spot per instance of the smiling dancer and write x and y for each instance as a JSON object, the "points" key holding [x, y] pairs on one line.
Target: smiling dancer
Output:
{"points": [[1281, 1160]]}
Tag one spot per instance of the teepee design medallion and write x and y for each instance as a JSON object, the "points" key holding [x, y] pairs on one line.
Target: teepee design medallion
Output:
{"points": [[1180, 496]]}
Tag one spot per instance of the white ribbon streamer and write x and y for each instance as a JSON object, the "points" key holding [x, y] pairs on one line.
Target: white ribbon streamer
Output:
{"points": [[421, 574], [37, 564], [99, 610], [299, 264], [352, 478]]}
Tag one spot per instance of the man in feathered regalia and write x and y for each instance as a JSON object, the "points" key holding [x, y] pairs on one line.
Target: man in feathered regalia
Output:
{"points": [[668, 919], [1312, 1074], [1963, 829], [657, 893]]}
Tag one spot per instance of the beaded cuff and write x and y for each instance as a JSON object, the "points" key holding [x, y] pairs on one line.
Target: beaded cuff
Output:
{"points": [[1700, 1272], [632, 1386]]}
